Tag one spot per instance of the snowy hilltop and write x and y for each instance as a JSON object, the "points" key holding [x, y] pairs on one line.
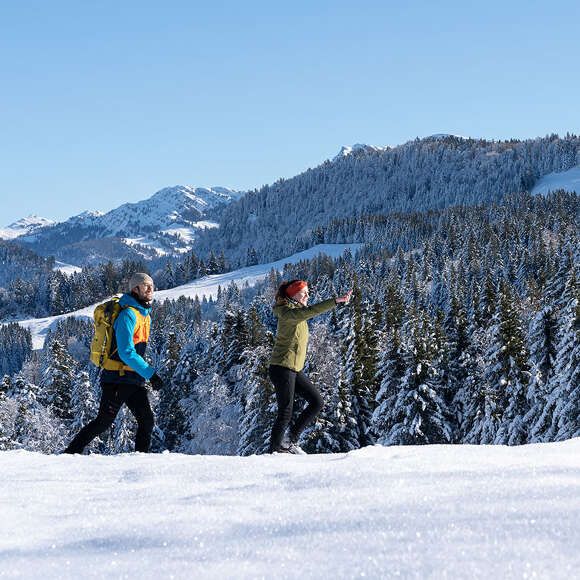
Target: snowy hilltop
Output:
{"points": [[378, 512], [345, 150], [439, 171]]}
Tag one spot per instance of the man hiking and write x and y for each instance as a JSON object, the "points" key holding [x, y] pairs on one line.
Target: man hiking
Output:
{"points": [[125, 371]]}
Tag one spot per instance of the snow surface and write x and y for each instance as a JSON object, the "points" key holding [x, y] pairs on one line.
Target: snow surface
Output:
{"points": [[206, 286], [187, 234], [567, 180], [66, 268], [378, 512]]}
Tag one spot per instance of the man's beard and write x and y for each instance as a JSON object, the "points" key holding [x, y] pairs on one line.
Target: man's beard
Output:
{"points": [[143, 301]]}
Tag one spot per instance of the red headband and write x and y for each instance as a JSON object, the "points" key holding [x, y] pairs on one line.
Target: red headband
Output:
{"points": [[295, 287]]}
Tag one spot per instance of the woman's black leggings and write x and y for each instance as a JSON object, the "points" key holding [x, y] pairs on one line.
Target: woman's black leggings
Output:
{"points": [[112, 398], [286, 383]]}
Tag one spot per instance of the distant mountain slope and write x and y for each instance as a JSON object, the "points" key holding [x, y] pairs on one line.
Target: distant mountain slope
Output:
{"points": [[439, 171], [24, 226], [18, 262], [206, 286], [164, 224]]}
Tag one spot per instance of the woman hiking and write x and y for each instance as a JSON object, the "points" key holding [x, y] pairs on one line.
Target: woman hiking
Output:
{"points": [[287, 361]]}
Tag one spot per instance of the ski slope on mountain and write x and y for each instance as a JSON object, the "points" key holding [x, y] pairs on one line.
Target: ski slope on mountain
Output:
{"points": [[398, 512], [567, 180], [66, 268], [206, 286]]}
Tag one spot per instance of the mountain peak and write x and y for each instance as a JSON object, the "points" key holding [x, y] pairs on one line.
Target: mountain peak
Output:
{"points": [[346, 150], [445, 135]]}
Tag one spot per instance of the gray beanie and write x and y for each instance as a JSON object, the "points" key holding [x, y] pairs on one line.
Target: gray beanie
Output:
{"points": [[139, 278]]}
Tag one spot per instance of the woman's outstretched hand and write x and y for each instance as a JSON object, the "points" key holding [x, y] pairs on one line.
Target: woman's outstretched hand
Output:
{"points": [[344, 298]]}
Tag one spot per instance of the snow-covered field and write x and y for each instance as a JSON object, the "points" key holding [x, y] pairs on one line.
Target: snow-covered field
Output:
{"points": [[66, 268], [568, 180], [206, 286], [399, 512]]}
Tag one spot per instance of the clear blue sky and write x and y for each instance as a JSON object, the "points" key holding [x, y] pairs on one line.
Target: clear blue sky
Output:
{"points": [[104, 102]]}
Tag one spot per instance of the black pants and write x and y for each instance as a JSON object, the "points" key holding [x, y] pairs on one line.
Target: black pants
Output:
{"points": [[286, 383], [112, 398]]}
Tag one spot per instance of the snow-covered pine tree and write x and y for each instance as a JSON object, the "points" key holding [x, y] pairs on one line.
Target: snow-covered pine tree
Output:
{"points": [[322, 367], [58, 377], [120, 438], [35, 427], [564, 397], [354, 346], [84, 403], [392, 371], [237, 341], [515, 376], [260, 408], [373, 337], [211, 416], [171, 417], [542, 344], [420, 414]]}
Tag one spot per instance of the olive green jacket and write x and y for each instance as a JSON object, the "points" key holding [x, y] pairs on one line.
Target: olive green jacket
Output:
{"points": [[292, 334]]}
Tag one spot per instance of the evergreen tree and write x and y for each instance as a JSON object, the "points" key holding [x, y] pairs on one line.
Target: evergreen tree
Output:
{"points": [[420, 414], [560, 416], [59, 376], [515, 373], [259, 411], [542, 339], [392, 371], [171, 417], [84, 402]]}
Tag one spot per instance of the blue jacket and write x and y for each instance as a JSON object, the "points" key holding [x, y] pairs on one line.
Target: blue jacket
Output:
{"points": [[128, 352]]}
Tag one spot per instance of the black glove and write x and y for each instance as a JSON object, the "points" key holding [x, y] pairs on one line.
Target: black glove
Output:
{"points": [[156, 382]]}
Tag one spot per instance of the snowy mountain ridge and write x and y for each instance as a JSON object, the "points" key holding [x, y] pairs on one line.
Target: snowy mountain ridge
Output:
{"points": [[346, 150], [138, 228], [179, 204], [25, 226]]}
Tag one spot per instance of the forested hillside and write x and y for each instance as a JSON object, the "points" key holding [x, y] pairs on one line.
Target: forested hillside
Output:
{"points": [[45, 292], [18, 262], [464, 328], [431, 173]]}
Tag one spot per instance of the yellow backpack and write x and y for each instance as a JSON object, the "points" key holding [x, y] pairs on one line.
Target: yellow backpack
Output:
{"points": [[105, 316]]}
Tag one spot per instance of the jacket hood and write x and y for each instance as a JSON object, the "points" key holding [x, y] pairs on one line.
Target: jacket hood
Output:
{"points": [[128, 300]]}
